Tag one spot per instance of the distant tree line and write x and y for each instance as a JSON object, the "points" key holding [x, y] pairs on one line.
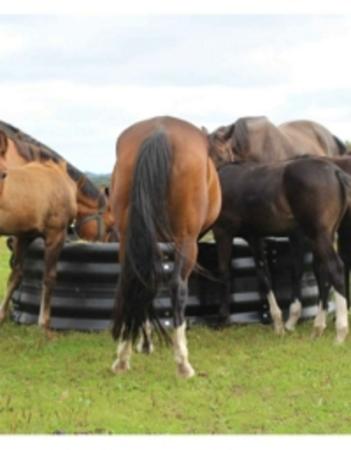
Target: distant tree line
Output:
{"points": [[100, 180]]}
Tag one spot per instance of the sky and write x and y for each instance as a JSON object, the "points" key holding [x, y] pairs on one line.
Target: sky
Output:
{"points": [[75, 82]]}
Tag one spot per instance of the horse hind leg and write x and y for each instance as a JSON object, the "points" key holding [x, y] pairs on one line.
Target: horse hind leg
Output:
{"points": [[257, 246], [184, 262], [54, 242], [297, 252], [329, 272], [145, 344], [16, 275]]}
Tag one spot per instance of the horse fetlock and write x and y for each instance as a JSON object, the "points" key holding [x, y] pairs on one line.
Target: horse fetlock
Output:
{"points": [[290, 324], [44, 322], [144, 347], [278, 324], [318, 331], [279, 328], [120, 366], [341, 334], [294, 315]]}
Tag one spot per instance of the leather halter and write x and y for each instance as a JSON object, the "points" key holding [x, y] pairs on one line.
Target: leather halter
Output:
{"points": [[98, 217]]}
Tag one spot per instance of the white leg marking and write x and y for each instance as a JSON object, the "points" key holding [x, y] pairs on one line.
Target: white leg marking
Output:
{"points": [[41, 320], [276, 314], [320, 321], [342, 322], [124, 352], [294, 315], [145, 345], [181, 352]]}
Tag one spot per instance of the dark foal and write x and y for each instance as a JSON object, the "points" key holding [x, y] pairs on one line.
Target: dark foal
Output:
{"points": [[308, 196], [343, 239]]}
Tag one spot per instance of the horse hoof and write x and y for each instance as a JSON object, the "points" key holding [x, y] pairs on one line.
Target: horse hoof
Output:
{"points": [[120, 366], [290, 326], [279, 329], [185, 371], [144, 347], [341, 335]]}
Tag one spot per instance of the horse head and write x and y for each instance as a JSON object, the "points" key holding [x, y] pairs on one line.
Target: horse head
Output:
{"points": [[95, 223], [221, 144]]}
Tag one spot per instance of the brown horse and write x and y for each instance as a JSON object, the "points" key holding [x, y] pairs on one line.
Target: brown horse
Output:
{"points": [[257, 139], [164, 188], [308, 195], [37, 199], [93, 221]]}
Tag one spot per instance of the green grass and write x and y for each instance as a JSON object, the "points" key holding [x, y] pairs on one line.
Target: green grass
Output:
{"points": [[249, 381]]}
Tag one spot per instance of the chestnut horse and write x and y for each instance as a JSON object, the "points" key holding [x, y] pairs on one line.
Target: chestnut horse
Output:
{"points": [[93, 221], [37, 199], [164, 188], [308, 195], [257, 139]]}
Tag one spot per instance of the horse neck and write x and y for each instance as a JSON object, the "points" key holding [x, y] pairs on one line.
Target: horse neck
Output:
{"points": [[87, 205]]}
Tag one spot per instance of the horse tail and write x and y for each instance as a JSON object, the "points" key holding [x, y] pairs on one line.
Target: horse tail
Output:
{"points": [[345, 186], [147, 221], [342, 149]]}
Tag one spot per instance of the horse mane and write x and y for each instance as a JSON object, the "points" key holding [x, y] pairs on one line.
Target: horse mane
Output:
{"points": [[33, 150]]}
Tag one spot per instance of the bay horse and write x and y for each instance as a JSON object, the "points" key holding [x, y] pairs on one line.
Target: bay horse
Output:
{"points": [[304, 195], [36, 199], [258, 139], [164, 188], [93, 221]]}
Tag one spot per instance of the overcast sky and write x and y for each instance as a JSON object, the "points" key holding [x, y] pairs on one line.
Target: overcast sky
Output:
{"points": [[76, 82]]}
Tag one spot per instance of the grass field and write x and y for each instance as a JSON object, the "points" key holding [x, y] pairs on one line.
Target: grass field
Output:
{"points": [[249, 381]]}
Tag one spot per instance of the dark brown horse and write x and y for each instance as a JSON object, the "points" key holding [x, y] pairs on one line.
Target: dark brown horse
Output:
{"points": [[164, 188], [344, 247], [93, 220], [37, 199], [257, 139], [307, 195]]}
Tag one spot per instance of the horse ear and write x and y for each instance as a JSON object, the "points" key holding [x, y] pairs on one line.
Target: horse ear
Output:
{"points": [[3, 143], [204, 131], [228, 132], [224, 133]]}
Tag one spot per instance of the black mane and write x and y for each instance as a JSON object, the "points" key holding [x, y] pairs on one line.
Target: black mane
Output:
{"points": [[31, 149]]}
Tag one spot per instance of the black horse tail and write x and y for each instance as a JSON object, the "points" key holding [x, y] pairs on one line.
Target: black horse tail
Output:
{"points": [[342, 149], [148, 220]]}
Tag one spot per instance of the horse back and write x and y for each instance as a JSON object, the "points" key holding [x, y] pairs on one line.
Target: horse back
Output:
{"points": [[193, 190], [35, 196], [310, 137]]}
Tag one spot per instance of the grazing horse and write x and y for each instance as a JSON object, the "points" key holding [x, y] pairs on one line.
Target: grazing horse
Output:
{"points": [[307, 195], [93, 221], [36, 199], [164, 188], [257, 139]]}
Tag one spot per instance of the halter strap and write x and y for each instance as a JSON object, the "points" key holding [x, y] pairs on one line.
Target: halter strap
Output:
{"points": [[98, 217]]}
